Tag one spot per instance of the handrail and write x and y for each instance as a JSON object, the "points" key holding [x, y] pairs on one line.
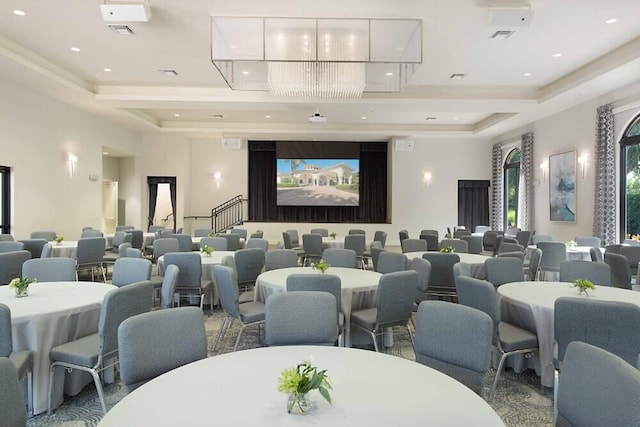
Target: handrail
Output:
{"points": [[225, 215]]}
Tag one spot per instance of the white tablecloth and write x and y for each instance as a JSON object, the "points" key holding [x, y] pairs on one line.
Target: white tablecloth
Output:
{"points": [[54, 313], [358, 288], [531, 306], [328, 242], [240, 389], [475, 261], [66, 248], [147, 239]]}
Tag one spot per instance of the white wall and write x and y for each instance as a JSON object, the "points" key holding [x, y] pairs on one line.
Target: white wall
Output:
{"points": [[36, 133]]}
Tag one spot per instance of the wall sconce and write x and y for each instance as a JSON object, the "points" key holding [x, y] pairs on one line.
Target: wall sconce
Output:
{"points": [[217, 178], [426, 178], [544, 167], [583, 161], [72, 160]]}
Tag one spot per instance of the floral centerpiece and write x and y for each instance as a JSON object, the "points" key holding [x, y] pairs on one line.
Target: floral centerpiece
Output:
{"points": [[448, 250], [207, 250], [447, 235], [570, 243], [59, 239], [21, 286], [321, 266], [299, 381], [212, 234], [584, 286], [333, 235]]}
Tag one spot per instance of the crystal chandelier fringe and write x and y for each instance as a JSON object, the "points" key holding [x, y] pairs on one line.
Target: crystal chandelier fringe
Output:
{"points": [[316, 79]]}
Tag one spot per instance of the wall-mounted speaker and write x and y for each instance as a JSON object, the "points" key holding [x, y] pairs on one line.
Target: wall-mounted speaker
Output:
{"points": [[404, 145], [509, 18], [231, 143]]}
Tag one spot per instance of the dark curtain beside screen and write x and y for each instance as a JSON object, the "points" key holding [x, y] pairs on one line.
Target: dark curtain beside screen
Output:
{"points": [[262, 189], [473, 203]]}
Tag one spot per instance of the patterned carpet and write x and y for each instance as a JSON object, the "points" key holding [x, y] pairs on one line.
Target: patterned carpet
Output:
{"points": [[519, 398]]}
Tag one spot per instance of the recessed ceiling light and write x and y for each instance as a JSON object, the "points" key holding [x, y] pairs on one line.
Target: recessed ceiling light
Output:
{"points": [[176, 115], [457, 76], [527, 74], [75, 49], [455, 118], [389, 74], [169, 72], [108, 70], [557, 55], [19, 12], [267, 116], [105, 152], [363, 117], [608, 21], [245, 72]]}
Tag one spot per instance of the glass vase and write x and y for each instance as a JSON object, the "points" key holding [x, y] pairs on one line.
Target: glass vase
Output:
{"points": [[22, 292], [298, 403]]}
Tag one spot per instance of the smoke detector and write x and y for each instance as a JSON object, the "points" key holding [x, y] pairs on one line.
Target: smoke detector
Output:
{"points": [[317, 118]]}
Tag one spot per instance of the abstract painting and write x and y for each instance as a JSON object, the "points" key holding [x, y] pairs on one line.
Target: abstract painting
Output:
{"points": [[562, 187]]}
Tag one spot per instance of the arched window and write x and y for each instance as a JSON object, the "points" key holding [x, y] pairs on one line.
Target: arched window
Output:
{"points": [[630, 180], [511, 184]]}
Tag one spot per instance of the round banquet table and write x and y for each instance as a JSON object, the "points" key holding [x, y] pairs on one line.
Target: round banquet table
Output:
{"points": [[54, 313], [358, 288], [475, 261], [531, 306], [329, 242], [66, 248], [240, 389], [196, 242]]}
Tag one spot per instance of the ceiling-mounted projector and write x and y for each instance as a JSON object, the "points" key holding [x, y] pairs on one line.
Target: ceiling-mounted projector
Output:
{"points": [[126, 12], [317, 118]]}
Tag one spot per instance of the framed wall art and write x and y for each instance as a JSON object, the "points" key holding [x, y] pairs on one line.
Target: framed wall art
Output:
{"points": [[562, 187]]}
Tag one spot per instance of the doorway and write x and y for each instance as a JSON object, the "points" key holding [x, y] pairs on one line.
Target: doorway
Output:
{"points": [[162, 201], [109, 206], [5, 200]]}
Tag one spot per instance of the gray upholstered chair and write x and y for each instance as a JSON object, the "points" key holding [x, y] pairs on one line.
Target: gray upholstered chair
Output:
{"points": [[358, 243], [280, 258], [6, 238], [428, 232], [620, 271], [394, 305], [47, 235], [217, 243], [152, 228], [460, 232], [89, 353], [240, 232], [538, 238], [250, 313], [423, 268], [615, 248], [11, 265], [455, 340], [482, 228], [442, 283], [151, 344], [523, 237], [508, 339], [190, 281], [249, 264], [122, 249], [56, 269], [474, 244], [489, 240], [321, 231], [596, 255], [591, 241], [375, 250], [380, 236], [133, 253], [356, 231], [89, 256], [458, 245], [312, 245], [301, 318], [12, 408], [22, 360], [553, 253], [137, 238], [292, 241], [185, 243], [433, 243], [597, 272], [388, 262], [11, 247], [47, 250], [531, 269], [119, 238], [511, 231], [255, 242], [403, 234], [233, 240], [130, 270], [202, 232], [34, 246], [165, 245], [597, 388], [337, 257], [503, 270], [258, 234], [91, 233], [413, 245], [633, 257], [510, 247], [461, 269], [169, 283]]}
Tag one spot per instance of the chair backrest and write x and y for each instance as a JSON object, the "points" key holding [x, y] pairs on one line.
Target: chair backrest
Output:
{"points": [[489, 240], [258, 234], [295, 239], [137, 238], [185, 243], [461, 269], [523, 237], [597, 272], [11, 246], [357, 242], [202, 232], [47, 250], [376, 250], [12, 407], [50, 269], [90, 250], [165, 245], [620, 271], [511, 231], [430, 233], [169, 283], [503, 270], [474, 244], [394, 298], [461, 232], [510, 247], [6, 335], [255, 242], [592, 241], [612, 249], [227, 289], [380, 236], [534, 263], [458, 245], [119, 238], [357, 231], [6, 238], [482, 228], [413, 245], [597, 388], [481, 295], [633, 257], [233, 240], [388, 262], [130, 270], [47, 235], [280, 258], [610, 325], [301, 318], [596, 255], [34, 246], [312, 244], [151, 344], [152, 228], [11, 265], [133, 253], [190, 266], [317, 282], [87, 234], [240, 232], [321, 231], [553, 253], [403, 234], [164, 233], [286, 239], [539, 238], [122, 249], [423, 268], [337, 257], [454, 339], [120, 304], [441, 268], [433, 244], [217, 243], [249, 263]]}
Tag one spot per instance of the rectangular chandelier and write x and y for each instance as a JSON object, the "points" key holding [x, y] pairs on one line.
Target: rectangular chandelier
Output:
{"points": [[316, 57]]}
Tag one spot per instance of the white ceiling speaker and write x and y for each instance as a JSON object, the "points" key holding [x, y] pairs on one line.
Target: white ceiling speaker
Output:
{"points": [[126, 12], [317, 118], [404, 144], [231, 143], [510, 17]]}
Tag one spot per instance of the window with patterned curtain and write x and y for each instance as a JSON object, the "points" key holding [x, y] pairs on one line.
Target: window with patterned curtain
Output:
{"points": [[630, 180], [511, 187]]}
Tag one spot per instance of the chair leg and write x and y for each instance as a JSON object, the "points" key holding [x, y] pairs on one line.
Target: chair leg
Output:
{"points": [[556, 380], [30, 391], [375, 341], [51, 377], [413, 344], [495, 380], [98, 383], [221, 332], [235, 347]]}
